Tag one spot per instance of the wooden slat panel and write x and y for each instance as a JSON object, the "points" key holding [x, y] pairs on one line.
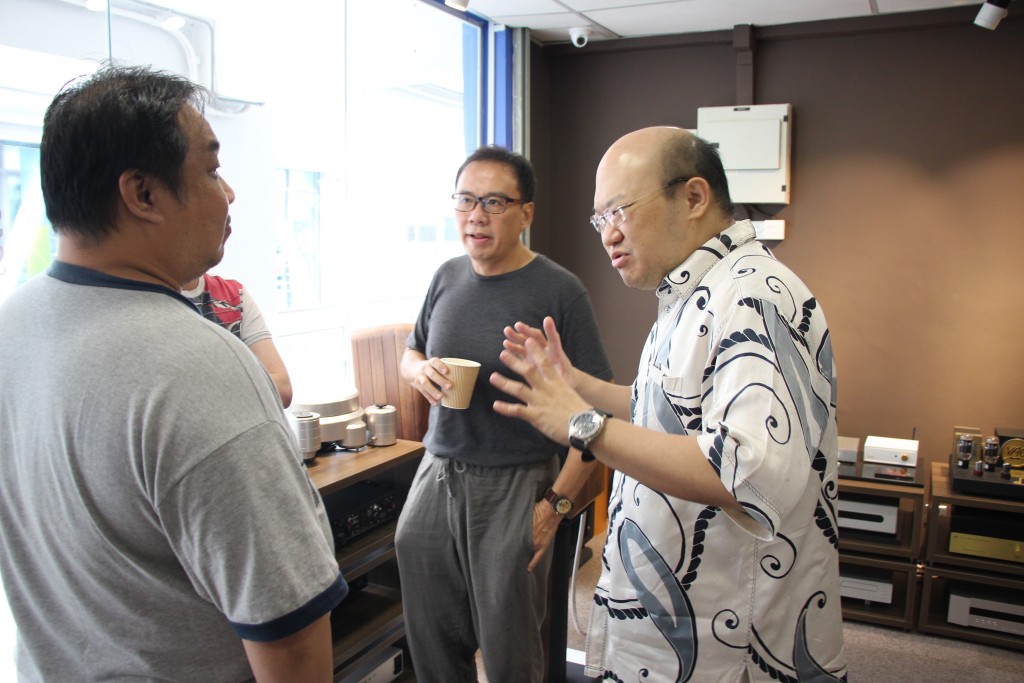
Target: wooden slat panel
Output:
{"points": [[376, 357]]}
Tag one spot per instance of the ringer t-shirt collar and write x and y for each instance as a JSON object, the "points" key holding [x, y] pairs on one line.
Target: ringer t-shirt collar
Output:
{"points": [[79, 275]]}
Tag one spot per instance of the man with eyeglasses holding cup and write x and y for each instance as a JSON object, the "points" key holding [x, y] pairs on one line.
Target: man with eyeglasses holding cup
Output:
{"points": [[489, 494], [721, 562]]}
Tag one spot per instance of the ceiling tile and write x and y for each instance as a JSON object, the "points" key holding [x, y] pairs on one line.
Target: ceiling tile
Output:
{"points": [[561, 21], [632, 18], [694, 16], [886, 6], [505, 8]]}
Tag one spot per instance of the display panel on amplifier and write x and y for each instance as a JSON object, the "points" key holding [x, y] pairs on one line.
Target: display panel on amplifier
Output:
{"points": [[987, 533]]}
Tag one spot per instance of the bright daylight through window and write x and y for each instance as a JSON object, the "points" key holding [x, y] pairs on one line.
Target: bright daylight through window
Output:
{"points": [[342, 124]]}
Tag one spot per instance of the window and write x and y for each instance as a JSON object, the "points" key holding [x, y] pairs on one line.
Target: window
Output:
{"points": [[297, 268], [342, 125], [27, 244]]}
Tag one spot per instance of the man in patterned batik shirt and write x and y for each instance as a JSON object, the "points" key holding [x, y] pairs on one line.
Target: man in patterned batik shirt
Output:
{"points": [[721, 561]]}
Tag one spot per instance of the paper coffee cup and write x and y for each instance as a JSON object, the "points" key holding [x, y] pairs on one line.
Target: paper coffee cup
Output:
{"points": [[462, 375]]}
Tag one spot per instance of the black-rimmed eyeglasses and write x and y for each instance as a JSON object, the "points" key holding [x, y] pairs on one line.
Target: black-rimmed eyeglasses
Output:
{"points": [[493, 204], [615, 217]]}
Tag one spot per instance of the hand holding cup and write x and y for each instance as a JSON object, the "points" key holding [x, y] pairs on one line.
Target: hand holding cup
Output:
{"points": [[462, 375]]}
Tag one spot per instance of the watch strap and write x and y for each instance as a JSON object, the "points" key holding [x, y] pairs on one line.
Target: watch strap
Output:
{"points": [[559, 503]]}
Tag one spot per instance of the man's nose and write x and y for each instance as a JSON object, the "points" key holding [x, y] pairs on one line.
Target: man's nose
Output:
{"points": [[228, 190]]}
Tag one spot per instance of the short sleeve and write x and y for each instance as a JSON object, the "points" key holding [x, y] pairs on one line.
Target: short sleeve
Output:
{"points": [[755, 429], [250, 530], [254, 325]]}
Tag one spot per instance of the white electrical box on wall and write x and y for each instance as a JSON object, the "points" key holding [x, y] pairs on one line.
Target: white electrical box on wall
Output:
{"points": [[754, 142], [769, 230]]}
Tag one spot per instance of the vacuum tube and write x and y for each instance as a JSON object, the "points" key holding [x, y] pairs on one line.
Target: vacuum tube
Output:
{"points": [[964, 451], [990, 454]]}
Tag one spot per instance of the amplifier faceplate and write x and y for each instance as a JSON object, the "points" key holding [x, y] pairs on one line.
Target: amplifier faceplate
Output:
{"points": [[359, 509]]}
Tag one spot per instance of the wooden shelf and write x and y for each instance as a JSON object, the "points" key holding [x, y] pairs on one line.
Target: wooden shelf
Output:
{"points": [[908, 542], [891, 557], [335, 471], [966, 575], [943, 506], [902, 611], [366, 553], [369, 619], [936, 586]]}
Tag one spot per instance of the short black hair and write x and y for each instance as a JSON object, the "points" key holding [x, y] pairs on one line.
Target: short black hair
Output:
{"points": [[689, 156], [120, 118], [520, 165]]}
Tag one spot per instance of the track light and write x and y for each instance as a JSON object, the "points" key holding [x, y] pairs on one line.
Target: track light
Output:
{"points": [[991, 13], [461, 5]]}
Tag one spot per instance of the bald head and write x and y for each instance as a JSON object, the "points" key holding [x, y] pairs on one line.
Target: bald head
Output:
{"points": [[660, 194], [661, 154]]}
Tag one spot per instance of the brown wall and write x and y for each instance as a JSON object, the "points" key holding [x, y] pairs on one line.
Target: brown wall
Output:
{"points": [[907, 197]]}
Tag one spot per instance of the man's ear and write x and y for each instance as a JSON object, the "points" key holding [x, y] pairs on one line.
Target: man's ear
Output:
{"points": [[527, 215], [138, 193], [698, 196]]}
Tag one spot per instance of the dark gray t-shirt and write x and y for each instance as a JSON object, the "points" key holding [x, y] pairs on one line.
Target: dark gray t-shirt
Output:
{"points": [[464, 315]]}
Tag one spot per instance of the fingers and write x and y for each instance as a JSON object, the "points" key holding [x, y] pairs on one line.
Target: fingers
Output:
{"points": [[513, 335], [532, 365], [512, 347], [506, 409], [553, 338], [527, 330], [509, 386], [431, 379], [426, 393], [545, 525], [535, 560], [517, 335]]}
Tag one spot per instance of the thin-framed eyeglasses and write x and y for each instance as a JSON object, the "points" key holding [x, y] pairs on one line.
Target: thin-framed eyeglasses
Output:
{"points": [[492, 204], [615, 217]]}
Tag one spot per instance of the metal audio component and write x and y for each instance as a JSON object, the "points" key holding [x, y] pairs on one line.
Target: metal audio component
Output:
{"points": [[358, 509]]}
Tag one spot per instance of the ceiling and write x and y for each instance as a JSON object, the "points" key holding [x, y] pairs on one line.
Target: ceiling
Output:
{"points": [[550, 20]]}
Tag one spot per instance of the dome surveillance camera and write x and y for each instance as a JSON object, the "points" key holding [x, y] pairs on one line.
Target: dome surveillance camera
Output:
{"points": [[579, 36]]}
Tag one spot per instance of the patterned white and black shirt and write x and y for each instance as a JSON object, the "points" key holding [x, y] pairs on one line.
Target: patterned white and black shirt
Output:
{"points": [[741, 358]]}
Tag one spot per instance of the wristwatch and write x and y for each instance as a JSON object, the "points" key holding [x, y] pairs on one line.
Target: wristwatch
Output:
{"points": [[584, 428], [559, 503]]}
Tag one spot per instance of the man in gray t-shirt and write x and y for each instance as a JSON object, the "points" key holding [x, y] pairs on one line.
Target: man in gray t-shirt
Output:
{"points": [[157, 520], [473, 537]]}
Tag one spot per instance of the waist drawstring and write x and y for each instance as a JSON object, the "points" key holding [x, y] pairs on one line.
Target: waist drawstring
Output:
{"points": [[444, 473]]}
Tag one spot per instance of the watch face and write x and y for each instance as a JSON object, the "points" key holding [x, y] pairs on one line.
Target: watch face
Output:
{"points": [[586, 425], [563, 505]]}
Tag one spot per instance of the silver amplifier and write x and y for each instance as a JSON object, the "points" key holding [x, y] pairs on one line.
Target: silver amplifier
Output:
{"points": [[987, 613], [868, 513]]}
